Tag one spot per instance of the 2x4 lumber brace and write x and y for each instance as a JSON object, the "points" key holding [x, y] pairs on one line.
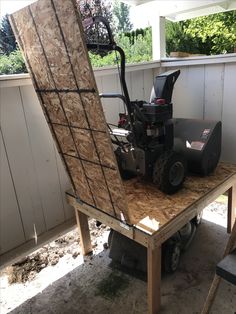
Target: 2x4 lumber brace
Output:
{"points": [[127, 230], [84, 233], [154, 279]]}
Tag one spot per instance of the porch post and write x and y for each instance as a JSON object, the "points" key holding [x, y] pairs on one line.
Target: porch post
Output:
{"points": [[158, 37]]}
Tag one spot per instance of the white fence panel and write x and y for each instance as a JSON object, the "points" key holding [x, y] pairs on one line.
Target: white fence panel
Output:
{"points": [[214, 89], [15, 134], [188, 95], [33, 180], [111, 107], [229, 114], [11, 228]]}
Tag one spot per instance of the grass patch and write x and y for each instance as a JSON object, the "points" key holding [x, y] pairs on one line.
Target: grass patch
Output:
{"points": [[111, 286]]}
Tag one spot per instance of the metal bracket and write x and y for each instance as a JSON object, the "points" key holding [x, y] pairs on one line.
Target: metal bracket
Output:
{"points": [[123, 225], [78, 200]]}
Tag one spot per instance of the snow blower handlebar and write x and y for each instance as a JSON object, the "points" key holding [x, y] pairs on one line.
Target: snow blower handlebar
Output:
{"points": [[108, 46]]}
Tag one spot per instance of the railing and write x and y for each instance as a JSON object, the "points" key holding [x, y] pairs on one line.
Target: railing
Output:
{"points": [[33, 180]]}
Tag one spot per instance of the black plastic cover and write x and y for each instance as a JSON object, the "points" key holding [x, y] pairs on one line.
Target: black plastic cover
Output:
{"points": [[200, 142], [164, 85]]}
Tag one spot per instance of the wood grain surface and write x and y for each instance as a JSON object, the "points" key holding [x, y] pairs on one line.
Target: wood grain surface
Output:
{"points": [[148, 206], [50, 34]]}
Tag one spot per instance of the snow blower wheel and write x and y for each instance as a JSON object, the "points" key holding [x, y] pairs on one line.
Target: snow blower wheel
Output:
{"points": [[169, 172], [172, 257]]}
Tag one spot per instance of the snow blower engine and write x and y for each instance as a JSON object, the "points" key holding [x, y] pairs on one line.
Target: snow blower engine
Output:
{"points": [[150, 134]]}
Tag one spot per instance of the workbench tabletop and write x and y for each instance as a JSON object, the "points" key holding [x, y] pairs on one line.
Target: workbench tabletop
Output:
{"points": [[150, 209]]}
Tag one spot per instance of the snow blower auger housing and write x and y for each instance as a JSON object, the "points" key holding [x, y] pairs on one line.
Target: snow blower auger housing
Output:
{"points": [[144, 138]]}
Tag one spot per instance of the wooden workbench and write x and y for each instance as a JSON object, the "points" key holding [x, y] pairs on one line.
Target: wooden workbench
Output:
{"points": [[155, 217]]}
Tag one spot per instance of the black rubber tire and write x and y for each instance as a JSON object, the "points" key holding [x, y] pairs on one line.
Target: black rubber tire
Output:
{"points": [[169, 172], [109, 240], [172, 257]]}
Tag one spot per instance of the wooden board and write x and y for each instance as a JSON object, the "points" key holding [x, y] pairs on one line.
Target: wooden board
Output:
{"points": [[150, 209], [58, 62]]}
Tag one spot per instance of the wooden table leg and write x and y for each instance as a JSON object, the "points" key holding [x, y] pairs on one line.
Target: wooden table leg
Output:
{"points": [[154, 280], [84, 233], [231, 208], [211, 295]]}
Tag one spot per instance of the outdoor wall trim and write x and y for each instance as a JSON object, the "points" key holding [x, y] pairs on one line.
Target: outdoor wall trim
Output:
{"points": [[24, 79], [201, 60], [12, 80]]}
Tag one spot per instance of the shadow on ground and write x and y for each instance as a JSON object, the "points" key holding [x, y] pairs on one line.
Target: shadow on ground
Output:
{"points": [[182, 292]]}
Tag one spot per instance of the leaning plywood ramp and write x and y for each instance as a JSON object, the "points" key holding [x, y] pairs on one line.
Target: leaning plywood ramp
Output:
{"points": [[50, 34]]}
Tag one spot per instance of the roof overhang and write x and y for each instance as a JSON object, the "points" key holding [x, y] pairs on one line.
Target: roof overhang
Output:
{"points": [[182, 10]]}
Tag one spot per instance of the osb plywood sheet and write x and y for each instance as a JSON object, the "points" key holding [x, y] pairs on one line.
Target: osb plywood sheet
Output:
{"points": [[50, 35], [146, 202]]}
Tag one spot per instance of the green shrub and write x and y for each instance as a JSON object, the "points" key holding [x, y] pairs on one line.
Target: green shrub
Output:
{"points": [[210, 35], [139, 51], [13, 63]]}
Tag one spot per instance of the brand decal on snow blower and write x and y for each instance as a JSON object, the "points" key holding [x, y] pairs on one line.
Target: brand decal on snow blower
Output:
{"points": [[197, 145]]}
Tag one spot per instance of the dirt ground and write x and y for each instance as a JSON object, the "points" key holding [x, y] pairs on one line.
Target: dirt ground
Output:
{"points": [[56, 278], [27, 268]]}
